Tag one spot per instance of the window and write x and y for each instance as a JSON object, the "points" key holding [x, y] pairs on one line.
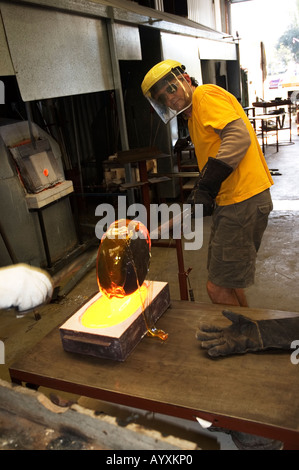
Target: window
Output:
{"points": [[177, 7]]}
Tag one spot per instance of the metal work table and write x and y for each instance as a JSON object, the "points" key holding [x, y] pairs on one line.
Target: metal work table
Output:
{"points": [[274, 115], [265, 118], [253, 393]]}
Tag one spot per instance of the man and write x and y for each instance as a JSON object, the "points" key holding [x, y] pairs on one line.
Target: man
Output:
{"points": [[234, 182]]}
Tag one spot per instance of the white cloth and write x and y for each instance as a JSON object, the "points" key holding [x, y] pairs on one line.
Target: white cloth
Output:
{"points": [[24, 287]]}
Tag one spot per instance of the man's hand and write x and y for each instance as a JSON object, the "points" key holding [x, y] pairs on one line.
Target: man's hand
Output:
{"points": [[208, 184], [24, 287], [200, 196], [242, 336], [181, 144]]}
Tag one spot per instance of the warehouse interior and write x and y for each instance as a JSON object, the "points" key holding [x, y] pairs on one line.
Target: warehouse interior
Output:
{"points": [[88, 111]]}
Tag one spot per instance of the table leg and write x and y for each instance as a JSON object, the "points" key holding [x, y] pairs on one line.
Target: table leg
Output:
{"points": [[263, 144], [181, 274]]}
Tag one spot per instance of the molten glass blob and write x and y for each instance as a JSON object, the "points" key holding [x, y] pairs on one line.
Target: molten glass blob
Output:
{"points": [[123, 258], [122, 266], [105, 312]]}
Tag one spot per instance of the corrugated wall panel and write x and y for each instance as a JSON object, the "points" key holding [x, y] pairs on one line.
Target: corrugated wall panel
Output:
{"points": [[202, 11]]}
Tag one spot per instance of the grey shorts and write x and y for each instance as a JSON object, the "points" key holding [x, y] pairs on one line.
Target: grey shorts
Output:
{"points": [[236, 235]]}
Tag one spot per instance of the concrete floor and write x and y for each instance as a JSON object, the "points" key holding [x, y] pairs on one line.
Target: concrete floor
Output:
{"points": [[276, 285]]}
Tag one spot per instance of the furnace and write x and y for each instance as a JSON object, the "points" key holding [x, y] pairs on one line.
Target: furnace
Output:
{"points": [[35, 196], [127, 307]]}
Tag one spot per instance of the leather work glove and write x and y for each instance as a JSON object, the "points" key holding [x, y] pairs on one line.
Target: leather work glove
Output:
{"points": [[246, 335], [24, 287], [208, 184]]}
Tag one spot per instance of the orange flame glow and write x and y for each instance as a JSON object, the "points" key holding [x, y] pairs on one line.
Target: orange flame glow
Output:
{"points": [[105, 312]]}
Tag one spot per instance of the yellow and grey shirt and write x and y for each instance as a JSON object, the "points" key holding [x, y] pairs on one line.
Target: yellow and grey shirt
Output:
{"points": [[219, 128]]}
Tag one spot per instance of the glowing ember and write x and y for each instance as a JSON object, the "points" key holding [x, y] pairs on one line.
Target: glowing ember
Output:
{"points": [[105, 312]]}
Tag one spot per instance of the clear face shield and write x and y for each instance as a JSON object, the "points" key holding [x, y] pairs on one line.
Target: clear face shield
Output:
{"points": [[170, 96]]}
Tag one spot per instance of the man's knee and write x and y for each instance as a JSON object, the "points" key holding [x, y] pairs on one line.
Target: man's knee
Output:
{"points": [[212, 289], [222, 295]]}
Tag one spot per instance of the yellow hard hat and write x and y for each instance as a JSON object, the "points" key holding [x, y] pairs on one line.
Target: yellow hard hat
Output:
{"points": [[157, 72]]}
